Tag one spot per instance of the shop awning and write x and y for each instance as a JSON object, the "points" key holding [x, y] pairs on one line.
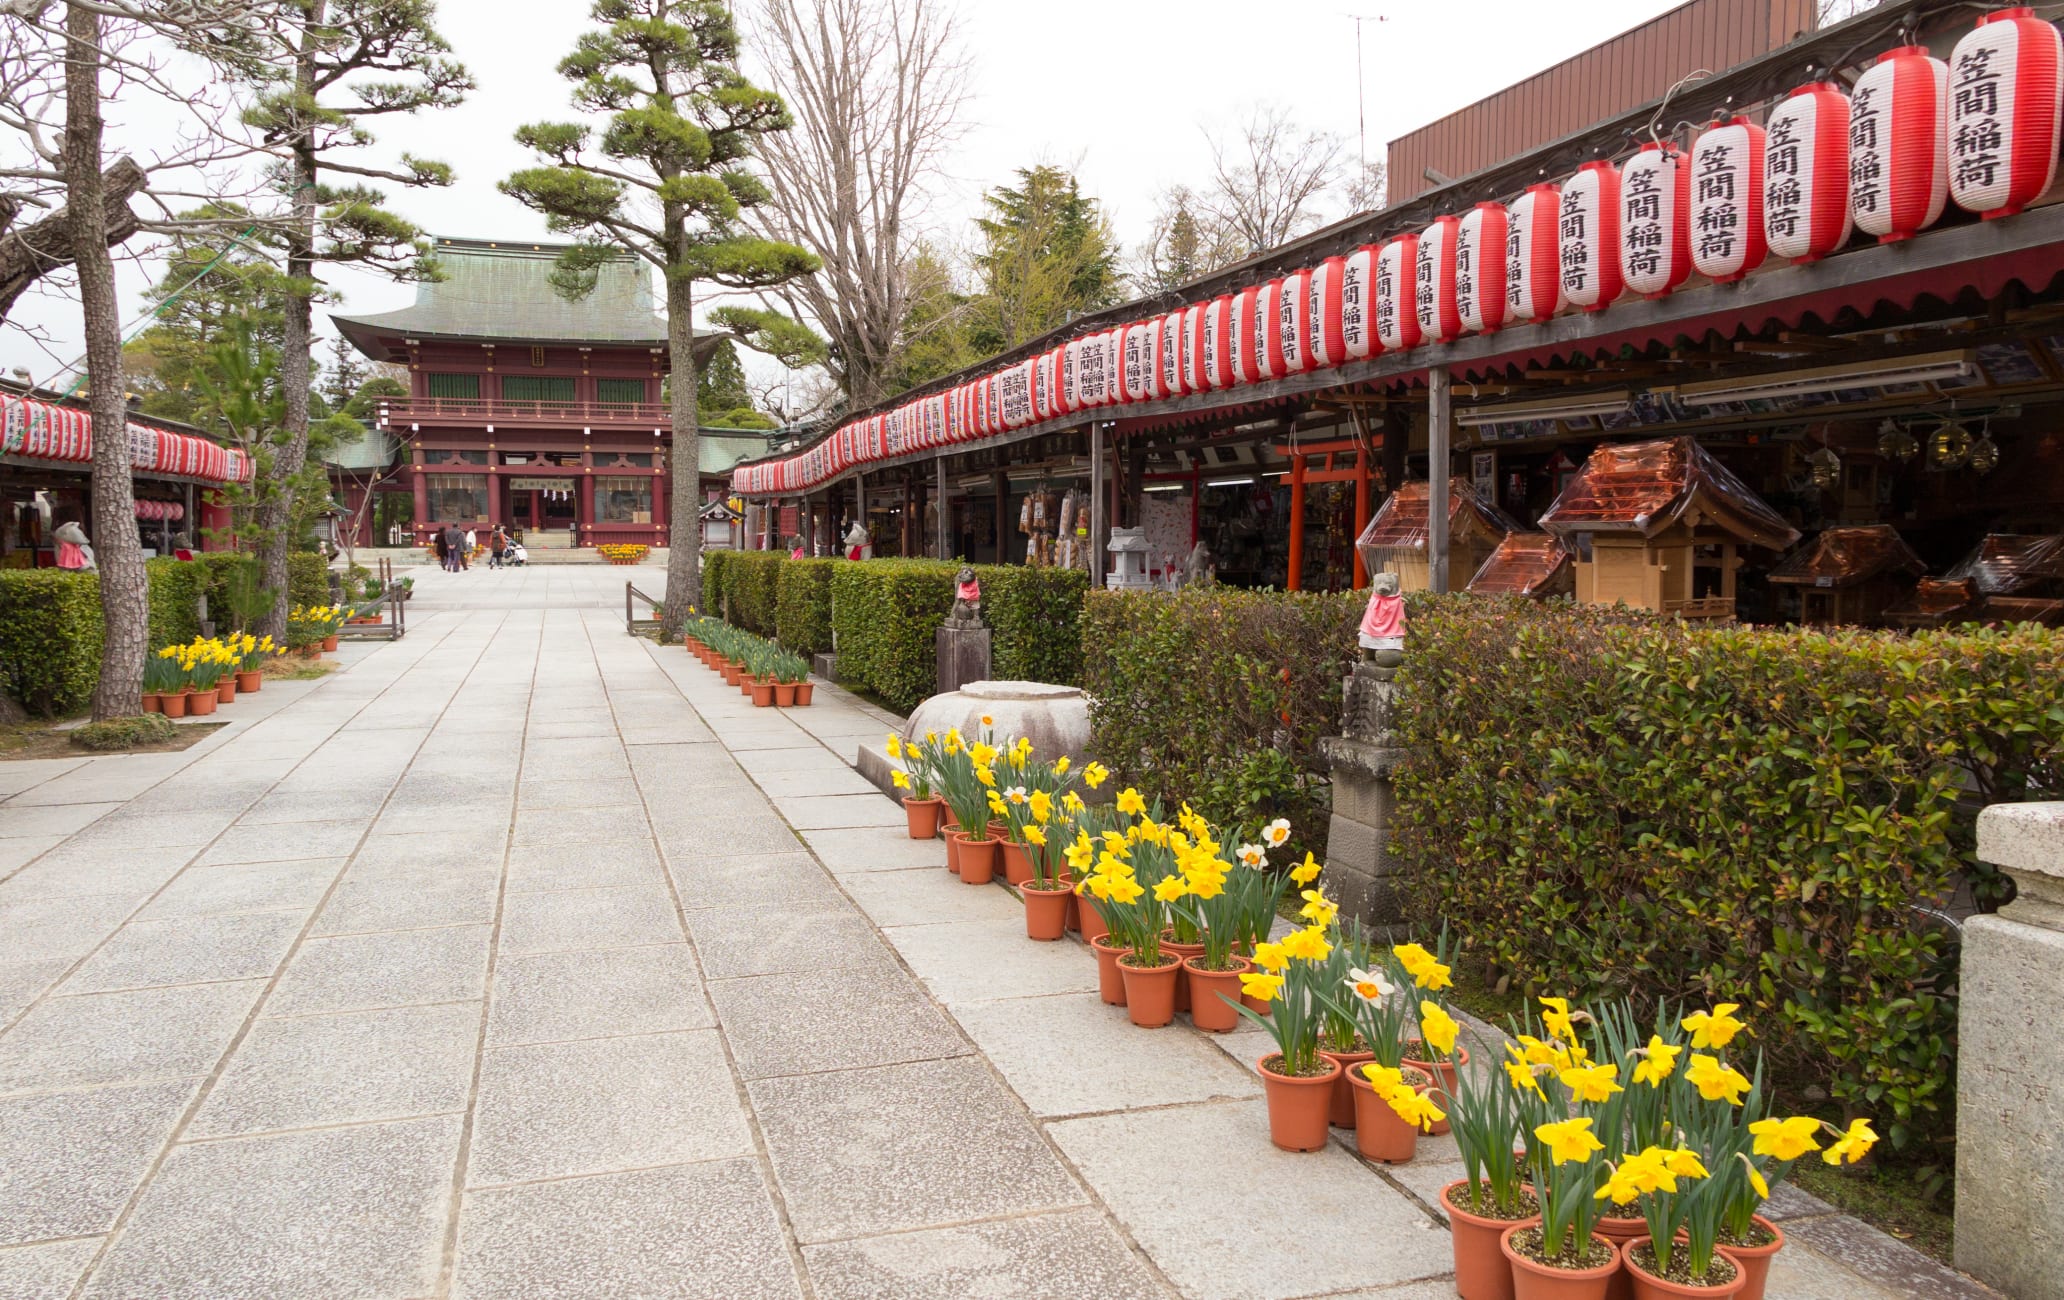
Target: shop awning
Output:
{"points": [[47, 433]]}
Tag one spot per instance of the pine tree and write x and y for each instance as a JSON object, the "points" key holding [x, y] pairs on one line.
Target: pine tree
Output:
{"points": [[348, 63], [666, 176], [1047, 256]]}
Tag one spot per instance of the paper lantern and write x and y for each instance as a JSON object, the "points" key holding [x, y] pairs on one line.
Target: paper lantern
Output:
{"points": [[1218, 342], [1898, 144], [1293, 322], [1268, 331], [1168, 356], [1588, 236], [1655, 226], [1014, 396], [2006, 105], [1357, 313], [1727, 200], [1139, 363], [1533, 266], [1114, 362], [1806, 173], [1322, 312], [1193, 349], [1248, 347], [1480, 268], [1397, 283], [1434, 292]]}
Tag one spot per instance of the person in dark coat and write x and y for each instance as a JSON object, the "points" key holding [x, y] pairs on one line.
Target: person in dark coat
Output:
{"points": [[454, 548], [437, 544]]}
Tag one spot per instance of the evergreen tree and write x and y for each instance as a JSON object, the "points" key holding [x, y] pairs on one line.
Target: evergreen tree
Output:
{"points": [[934, 341], [1047, 256], [721, 384], [666, 176], [343, 376], [346, 64]]}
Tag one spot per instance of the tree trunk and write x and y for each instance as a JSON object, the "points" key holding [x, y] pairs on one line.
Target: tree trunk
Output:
{"points": [[684, 541], [276, 507], [124, 598], [28, 253]]}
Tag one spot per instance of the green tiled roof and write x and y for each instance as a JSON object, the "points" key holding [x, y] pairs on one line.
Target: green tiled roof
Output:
{"points": [[501, 290]]}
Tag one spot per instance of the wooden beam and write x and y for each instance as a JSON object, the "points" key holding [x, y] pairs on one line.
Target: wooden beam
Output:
{"points": [[1294, 581], [1440, 415], [1096, 503]]}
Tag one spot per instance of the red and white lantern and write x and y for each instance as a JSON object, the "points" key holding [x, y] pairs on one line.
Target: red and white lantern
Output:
{"points": [[1139, 362], [1397, 293], [2006, 105], [1358, 305], [1322, 323], [1218, 342], [1727, 200], [1588, 236], [1193, 348], [1168, 355], [1246, 338], [1533, 268], [1293, 323], [1806, 173], [1439, 317], [1899, 144], [1655, 225], [1480, 268], [1268, 331]]}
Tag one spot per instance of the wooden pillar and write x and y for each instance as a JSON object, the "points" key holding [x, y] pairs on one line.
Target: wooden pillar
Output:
{"points": [[1294, 581], [939, 511], [421, 482], [1097, 497], [1001, 482], [1135, 486], [809, 522], [1439, 417], [661, 485]]}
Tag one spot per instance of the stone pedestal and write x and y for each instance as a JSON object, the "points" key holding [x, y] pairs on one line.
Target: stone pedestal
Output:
{"points": [[1054, 718], [963, 656], [1360, 872], [2010, 1063]]}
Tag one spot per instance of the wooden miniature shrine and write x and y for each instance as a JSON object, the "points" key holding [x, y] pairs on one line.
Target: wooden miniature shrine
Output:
{"points": [[1850, 575], [1395, 539], [1661, 526], [1539, 565], [2019, 578]]}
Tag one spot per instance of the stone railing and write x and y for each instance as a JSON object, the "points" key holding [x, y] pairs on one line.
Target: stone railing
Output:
{"points": [[2010, 1071]]}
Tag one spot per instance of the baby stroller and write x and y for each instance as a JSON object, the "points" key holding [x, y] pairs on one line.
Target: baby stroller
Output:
{"points": [[516, 555]]}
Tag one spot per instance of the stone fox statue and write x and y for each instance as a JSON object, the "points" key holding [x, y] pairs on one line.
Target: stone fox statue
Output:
{"points": [[967, 598]]}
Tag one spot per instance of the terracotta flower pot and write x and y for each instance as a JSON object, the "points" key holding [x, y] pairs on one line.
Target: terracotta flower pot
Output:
{"points": [[151, 702], [1343, 1096], [784, 695], [763, 694], [923, 815], [1443, 1074], [729, 672], [999, 831], [1110, 984], [1379, 1133], [1150, 991], [225, 690], [977, 859], [247, 683], [953, 852], [1046, 911], [1182, 951], [1017, 868], [1754, 1261], [200, 704], [746, 682], [1647, 1286], [173, 704], [952, 822], [1091, 922], [803, 692], [1208, 990], [1297, 1107], [1073, 919], [329, 642], [1532, 1280], [1619, 1232], [1481, 1270]]}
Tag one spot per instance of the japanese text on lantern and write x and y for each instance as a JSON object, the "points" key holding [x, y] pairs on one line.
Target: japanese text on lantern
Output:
{"points": [[1016, 396], [1574, 232], [1354, 321], [1784, 196], [1642, 232], [1719, 218], [1977, 142], [1866, 157]]}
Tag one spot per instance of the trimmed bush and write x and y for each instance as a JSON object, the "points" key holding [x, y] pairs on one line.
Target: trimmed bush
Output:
{"points": [[50, 638], [802, 605], [1037, 618], [1220, 696], [308, 579], [716, 576], [176, 588], [886, 613], [1709, 813], [754, 577]]}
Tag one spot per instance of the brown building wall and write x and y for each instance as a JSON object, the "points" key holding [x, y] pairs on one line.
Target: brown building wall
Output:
{"points": [[1629, 70]]}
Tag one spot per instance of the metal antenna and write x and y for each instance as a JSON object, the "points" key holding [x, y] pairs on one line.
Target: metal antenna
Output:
{"points": [[1361, 98]]}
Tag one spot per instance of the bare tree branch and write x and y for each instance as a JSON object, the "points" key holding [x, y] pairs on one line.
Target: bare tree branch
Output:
{"points": [[1267, 181]]}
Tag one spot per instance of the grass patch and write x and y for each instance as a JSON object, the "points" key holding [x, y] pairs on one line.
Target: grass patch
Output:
{"points": [[118, 735], [288, 668], [33, 740]]}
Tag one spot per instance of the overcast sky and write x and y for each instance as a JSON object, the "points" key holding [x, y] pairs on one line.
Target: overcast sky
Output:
{"points": [[1121, 90]]}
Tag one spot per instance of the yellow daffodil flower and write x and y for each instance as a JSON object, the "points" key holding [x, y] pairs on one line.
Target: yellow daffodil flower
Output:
{"points": [[1591, 1082], [1414, 1107], [1062, 764], [1036, 837], [1756, 1179], [1570, 1139], [1126, 890], [1207, 885], [1523, 1076], [901, 779], [984, 755], [1658, 1062], [1261, 985], [986, 776], [1073, 803], [1438, 1028], [1170, 888], [1305, 872], [1308, 944], [1684, 1163], [1130, 802], [1852, 1146], [895, 746], [1715, 1028], [1318, 909], [1270, 956], [1787, 1139], [1382, 1077], [1095, 775], [1555, 1017], [1716, 1082], [1042, 806]]}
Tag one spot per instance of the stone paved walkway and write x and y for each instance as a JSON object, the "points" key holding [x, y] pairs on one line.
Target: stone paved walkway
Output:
{"points": [[523, 959]]}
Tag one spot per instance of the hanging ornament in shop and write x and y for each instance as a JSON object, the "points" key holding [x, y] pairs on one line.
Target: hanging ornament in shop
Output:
{"points": [[2006, 107], [1322, 318], [1357, 305], [1533, 270], [1268, 332], [1434, 292], [1247, 344], [1806, 173], [1950, 446], [1293, 311], [1218, 342], [1480, 248], [1727, 200], [1827, 468], [1655, 232], [1397, 297], [1588, 236], [1984, 455], [1898, 144]]}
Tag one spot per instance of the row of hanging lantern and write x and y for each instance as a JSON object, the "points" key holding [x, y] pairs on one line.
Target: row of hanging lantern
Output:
{"points": [[1915, 132]]}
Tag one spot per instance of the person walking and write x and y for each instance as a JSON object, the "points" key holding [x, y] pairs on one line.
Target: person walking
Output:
{"points": [[472, 545], [497, 544], [437, 544]]}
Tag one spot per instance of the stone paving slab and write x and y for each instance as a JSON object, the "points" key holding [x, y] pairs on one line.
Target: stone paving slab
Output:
{"points": [[145, 1034], [980, 961], [836, 1020], [1069, 1255], [596, 993], [244, 887], [46, 1272], [191, 950], [915, 897], [364, 972], [74, 1158], [844, 852]]}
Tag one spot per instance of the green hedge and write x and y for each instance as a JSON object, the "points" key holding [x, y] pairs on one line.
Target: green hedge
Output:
{"points": [[50, 638], [308, 578], [1220, 696], [802, 605], [1036, 615], [885, 613], [753, 579], [176, 588], [716, 577], [1765, 816]]}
